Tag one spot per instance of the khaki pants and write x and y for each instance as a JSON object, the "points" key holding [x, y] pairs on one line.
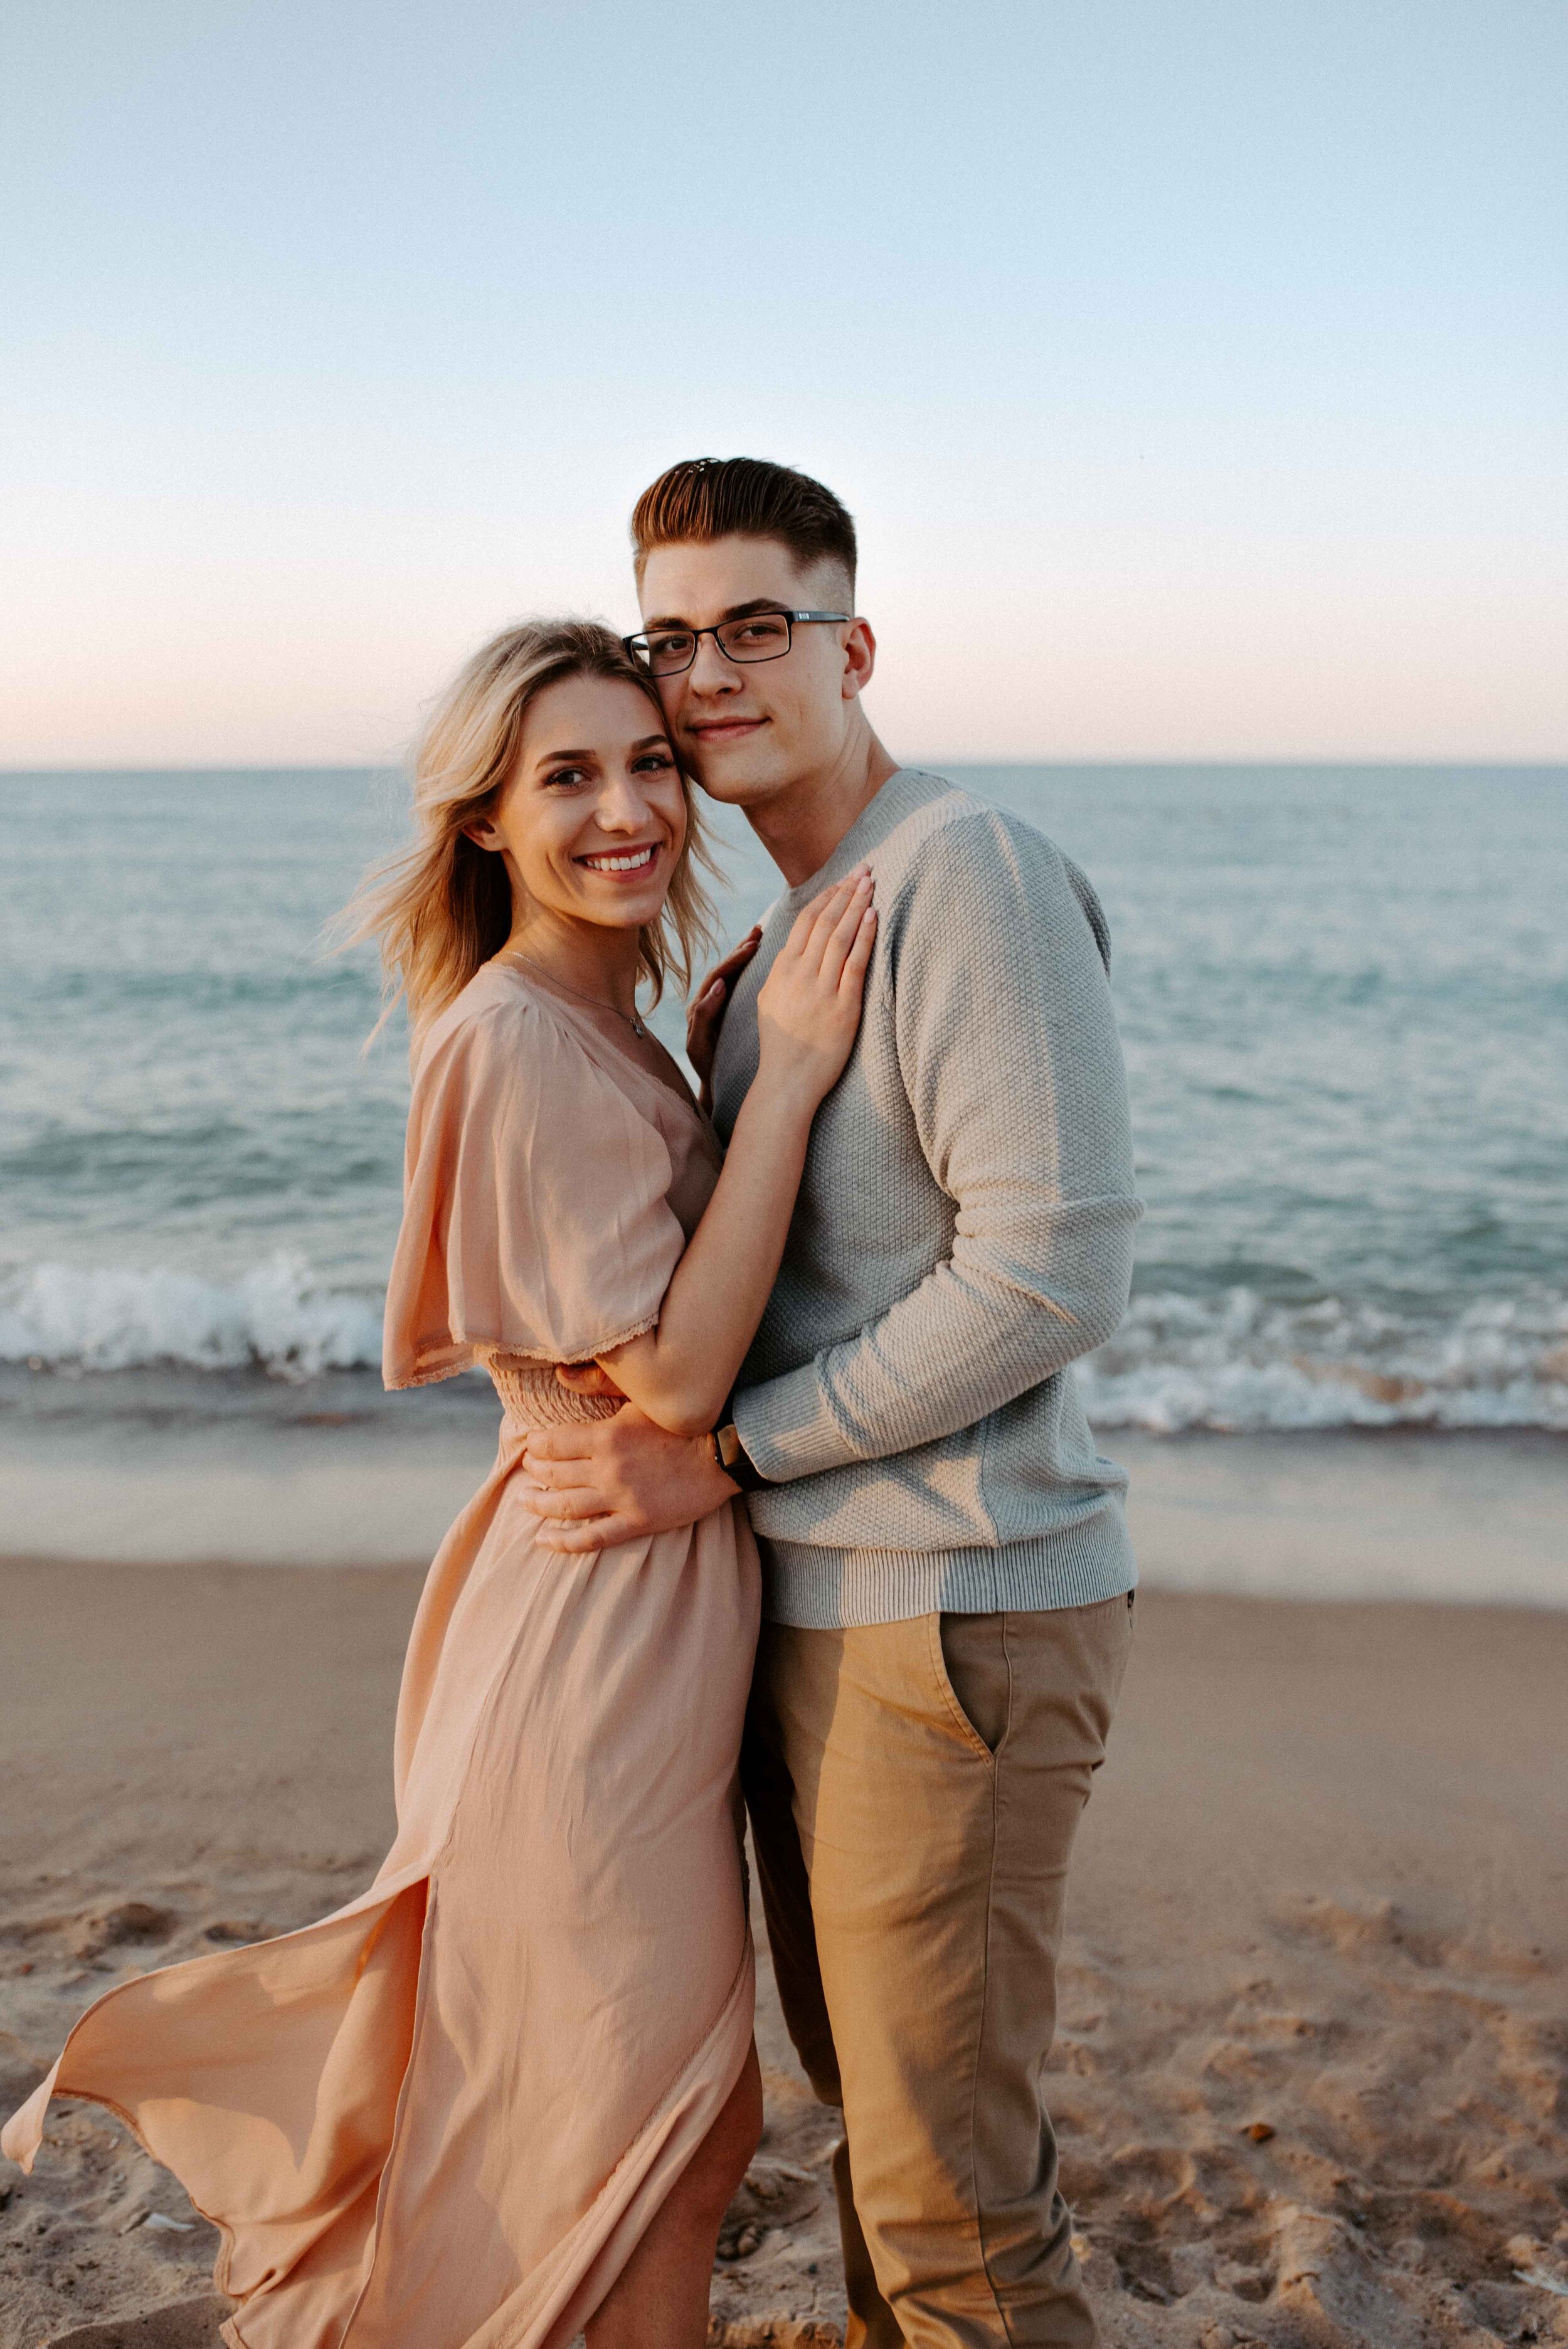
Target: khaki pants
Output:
{"points": [[914, 1789]]}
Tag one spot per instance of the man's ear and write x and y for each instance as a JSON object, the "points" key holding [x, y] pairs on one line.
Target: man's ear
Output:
{"points": [[860, 658]]}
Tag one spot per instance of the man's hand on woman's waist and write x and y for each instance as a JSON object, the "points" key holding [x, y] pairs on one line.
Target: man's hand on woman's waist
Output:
{"points": [[618, 1480]]}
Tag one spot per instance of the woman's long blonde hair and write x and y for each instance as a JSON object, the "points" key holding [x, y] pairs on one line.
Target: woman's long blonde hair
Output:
{"points": [[443, 906]]}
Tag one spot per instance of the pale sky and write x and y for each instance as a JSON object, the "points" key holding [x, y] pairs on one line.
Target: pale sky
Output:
{"points": [[1197, 372]]}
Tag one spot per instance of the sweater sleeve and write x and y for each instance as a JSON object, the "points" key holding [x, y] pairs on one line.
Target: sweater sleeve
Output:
{"points": [[1008, 1048]]}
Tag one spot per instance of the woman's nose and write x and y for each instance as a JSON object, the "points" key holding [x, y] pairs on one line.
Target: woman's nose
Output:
{"points": [[623, 805]]}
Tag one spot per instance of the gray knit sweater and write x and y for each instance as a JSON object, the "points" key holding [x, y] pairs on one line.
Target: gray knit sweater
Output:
{"points": [[964, 1229]]}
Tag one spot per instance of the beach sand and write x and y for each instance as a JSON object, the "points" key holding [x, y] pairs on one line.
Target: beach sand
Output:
{"points": [[1312, 2077]]}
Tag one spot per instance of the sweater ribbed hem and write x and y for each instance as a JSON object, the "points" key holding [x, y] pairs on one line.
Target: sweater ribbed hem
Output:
{"points": [[818, 1588]]}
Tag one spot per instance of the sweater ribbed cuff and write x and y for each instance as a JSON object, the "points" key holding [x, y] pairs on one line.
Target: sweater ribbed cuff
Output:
{"points": [[787, 1428]]}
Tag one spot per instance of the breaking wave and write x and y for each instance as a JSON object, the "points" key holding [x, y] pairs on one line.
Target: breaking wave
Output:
{"points": [[1240, 1363], [1235, 1361], [56, 1316]]}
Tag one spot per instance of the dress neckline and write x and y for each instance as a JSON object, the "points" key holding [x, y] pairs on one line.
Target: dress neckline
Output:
{"points": [[612, 1030]]}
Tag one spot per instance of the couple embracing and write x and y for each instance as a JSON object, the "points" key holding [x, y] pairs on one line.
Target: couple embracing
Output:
{"points": [[794, 1498]]}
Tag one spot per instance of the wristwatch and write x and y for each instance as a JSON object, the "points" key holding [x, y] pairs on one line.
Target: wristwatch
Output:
{"points": [[732, 1456]]}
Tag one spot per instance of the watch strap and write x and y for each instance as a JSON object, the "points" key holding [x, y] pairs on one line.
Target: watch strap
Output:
{"points": [[733, 1457]]}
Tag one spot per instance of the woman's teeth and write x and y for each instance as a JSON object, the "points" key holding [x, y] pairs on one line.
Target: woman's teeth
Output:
{"points": [[631, 864]]}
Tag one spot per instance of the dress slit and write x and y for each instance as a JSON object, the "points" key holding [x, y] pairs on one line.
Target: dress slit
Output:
{"points": [[445, 2114]]}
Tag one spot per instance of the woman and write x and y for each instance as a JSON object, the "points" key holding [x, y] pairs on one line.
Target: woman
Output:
{"points": [[508, 2092]]}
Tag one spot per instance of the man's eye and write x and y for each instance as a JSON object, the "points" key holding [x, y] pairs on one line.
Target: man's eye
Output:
{"points": [[671, 647], [759, 632]]}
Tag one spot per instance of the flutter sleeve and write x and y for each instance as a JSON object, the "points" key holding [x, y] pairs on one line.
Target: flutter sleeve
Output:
{"points": [[535, 1218]]}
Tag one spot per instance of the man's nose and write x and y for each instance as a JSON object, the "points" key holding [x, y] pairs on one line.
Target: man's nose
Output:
{"points": [[710, 672]]}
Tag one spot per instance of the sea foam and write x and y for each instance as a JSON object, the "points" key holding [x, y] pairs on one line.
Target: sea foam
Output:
{"points": [[63, 1317], [1238, 1363], [1233, 1361]]}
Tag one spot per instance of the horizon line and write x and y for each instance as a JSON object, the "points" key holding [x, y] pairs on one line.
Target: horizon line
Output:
{"points": [[1558, 764]]}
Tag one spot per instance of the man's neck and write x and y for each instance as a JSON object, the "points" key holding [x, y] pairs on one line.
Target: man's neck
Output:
{"points": [[801, 826]]}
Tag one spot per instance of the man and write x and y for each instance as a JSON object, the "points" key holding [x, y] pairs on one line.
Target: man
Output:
{"points": [[947, 1574]]}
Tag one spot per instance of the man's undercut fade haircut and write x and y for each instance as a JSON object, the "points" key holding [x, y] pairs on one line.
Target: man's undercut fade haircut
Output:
{"points": [[705, 498]]}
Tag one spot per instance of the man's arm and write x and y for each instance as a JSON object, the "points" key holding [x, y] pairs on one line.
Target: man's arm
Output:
{"points": [[1009, 1055], [1010, 1058]]}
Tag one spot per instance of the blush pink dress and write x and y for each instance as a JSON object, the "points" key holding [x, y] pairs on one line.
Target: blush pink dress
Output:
{"points": [[443, 2117]]}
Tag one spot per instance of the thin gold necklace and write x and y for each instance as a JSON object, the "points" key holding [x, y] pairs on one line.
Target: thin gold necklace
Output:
{"points": [[631, 1017]]}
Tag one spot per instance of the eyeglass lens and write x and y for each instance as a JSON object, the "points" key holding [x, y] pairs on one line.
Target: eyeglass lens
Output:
{"points": [[762, 636]]}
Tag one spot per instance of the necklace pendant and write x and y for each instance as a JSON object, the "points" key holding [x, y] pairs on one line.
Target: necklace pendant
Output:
{"points": [[637, 1027]]}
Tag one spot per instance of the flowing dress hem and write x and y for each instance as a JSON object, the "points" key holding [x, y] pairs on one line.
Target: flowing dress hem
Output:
{"points": [[623, 2209], [22, 2135]]}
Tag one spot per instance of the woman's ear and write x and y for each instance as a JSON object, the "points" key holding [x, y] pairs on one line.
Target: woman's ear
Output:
{"points": [[484, 835]]}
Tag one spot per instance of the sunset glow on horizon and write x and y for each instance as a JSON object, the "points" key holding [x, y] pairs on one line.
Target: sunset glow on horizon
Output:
{"points": [[1196, 377]]}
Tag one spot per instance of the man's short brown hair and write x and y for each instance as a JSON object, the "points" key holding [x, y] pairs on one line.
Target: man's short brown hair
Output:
{"points": [[705, 498]]}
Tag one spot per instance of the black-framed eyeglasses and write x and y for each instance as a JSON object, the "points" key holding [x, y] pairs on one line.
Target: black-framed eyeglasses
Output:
{"points": [[760, 636]]}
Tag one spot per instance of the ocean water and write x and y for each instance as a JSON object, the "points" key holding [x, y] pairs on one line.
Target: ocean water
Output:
{"points": [[1343, 993]]}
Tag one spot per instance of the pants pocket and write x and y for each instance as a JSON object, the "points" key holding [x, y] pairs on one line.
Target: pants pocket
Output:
{"points": [[969, 1656]]}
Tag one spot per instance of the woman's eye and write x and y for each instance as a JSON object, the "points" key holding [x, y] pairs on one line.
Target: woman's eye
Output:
{"points": [[652, 763], [567, 776]]}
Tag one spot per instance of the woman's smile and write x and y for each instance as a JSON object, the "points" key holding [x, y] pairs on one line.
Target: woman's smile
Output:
{"points": [[620, 860], [592, 822]]}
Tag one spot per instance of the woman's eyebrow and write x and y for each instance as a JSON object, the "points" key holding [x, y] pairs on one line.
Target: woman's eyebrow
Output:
{"points": [[645, 742]]}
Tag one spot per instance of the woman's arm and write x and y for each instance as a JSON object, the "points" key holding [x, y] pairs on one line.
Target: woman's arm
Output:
{"points": [[808, 1011]]}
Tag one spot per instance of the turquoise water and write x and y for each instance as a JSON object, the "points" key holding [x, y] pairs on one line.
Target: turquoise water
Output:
{"points": [[1343, 996]]}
